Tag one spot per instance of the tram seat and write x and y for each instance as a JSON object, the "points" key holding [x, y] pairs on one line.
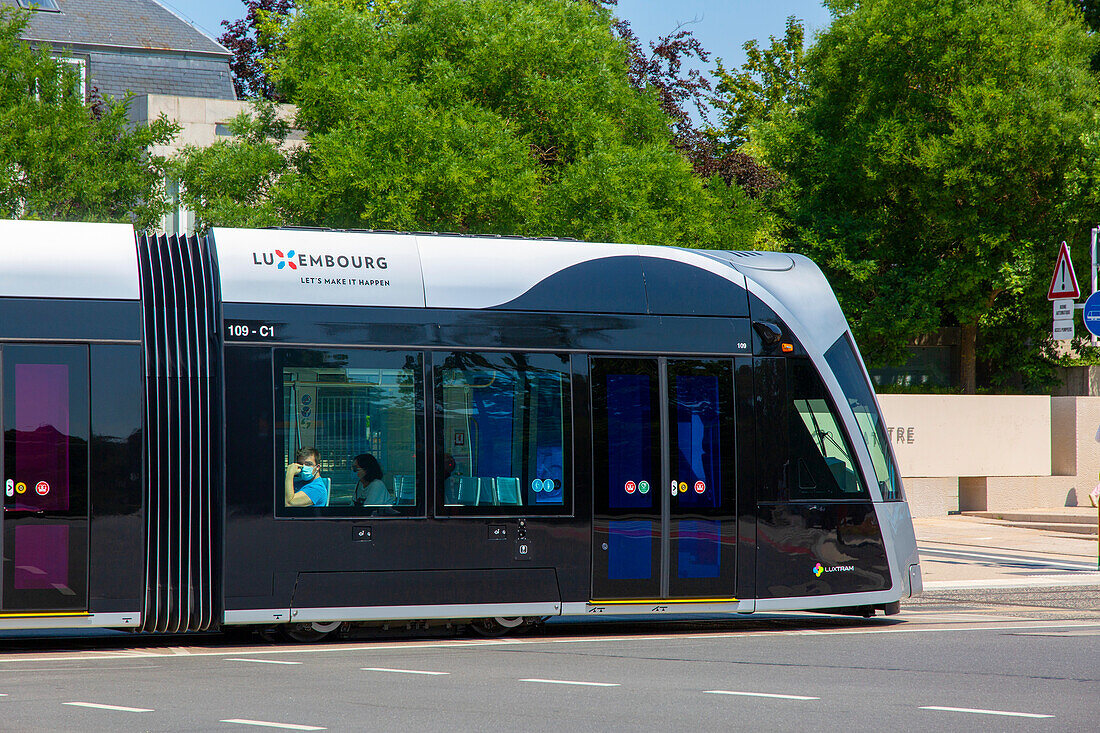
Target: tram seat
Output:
{"points": [[404, 489], [469, 490], [450, 491], [508, 491]]}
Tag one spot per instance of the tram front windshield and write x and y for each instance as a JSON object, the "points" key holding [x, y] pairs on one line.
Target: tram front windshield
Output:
{"points": [[842, 359]]}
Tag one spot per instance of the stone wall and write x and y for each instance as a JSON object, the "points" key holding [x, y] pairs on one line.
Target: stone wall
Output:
{"points": [[978, 452]]}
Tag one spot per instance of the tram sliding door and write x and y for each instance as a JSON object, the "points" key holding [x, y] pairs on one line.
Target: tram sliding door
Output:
{"points": [[664, 505], [45, 422]]}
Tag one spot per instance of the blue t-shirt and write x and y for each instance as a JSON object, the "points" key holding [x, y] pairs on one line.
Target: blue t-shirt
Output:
{"points": [[316, 489]]}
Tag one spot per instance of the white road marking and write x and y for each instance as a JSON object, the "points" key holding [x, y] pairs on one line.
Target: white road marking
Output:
{"points": [[269, 724], [400, 671], [1076, 579], [260, 661], [985, 712], [759, 694], [872, 628], [572, 682], [1029, 560], [108, 707]]}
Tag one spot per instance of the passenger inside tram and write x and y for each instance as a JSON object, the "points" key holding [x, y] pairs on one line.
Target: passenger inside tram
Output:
{"points": [[303, 484], [370, 490]]}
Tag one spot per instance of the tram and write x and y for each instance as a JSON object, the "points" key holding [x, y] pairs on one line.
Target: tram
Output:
{"points": [[314, 430]]}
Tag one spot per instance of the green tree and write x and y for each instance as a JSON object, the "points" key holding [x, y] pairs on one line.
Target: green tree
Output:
{"points": [[62, 159], [492, 116], [771, 81], [236, 180], [944, 148]]}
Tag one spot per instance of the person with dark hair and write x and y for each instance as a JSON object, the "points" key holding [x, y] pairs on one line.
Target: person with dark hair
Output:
{"points": [[303, 485], [369, 489]]}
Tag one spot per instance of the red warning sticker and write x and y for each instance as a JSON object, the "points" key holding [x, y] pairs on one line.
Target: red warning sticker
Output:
{"points": [[700, 487], [42, 488], [630, 487]]}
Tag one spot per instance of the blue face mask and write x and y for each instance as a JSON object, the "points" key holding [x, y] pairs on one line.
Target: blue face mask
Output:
{"points": [[307, 472]]}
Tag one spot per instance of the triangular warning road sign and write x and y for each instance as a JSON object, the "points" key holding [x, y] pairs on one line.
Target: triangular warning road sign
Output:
{"points": [[1064, 282]]}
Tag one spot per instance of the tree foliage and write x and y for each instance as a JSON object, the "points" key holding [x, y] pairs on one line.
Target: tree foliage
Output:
{"points": [[65, 160], [492, 116], [943, 149], [771, 81], [249, 39], [236, 179]]}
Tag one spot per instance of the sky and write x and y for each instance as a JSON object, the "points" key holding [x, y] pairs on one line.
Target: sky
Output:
{"points": [[722, 26]]}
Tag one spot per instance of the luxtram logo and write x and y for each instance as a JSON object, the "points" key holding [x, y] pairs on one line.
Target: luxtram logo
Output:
{"points": [[819, 569]]}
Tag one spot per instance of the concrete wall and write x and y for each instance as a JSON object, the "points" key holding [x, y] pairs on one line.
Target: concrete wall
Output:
{"points": [[963, 452], [198, 117], [202, 121]]}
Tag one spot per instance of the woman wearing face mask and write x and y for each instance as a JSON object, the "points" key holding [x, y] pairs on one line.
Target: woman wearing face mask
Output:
{"points": [[303, 485], [369, 489]]}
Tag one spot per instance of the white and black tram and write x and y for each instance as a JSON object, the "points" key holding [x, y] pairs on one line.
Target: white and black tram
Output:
{"points": [[497, 430]]}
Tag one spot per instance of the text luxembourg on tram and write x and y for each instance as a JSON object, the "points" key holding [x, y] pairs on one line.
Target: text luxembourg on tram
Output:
{"points": [[551, 427]]}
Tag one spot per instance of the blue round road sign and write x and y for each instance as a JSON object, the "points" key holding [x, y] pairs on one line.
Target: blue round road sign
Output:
{"points": [[1091, 314]]}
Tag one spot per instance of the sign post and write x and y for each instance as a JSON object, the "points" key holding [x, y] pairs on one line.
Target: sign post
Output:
{"points": [[1063, 291]]}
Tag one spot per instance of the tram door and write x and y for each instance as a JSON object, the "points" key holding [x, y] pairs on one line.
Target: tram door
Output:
{"points": [[665, 500], [45, 420]]}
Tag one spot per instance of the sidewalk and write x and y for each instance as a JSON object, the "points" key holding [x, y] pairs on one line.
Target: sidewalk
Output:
{"points": [[966, 552]]}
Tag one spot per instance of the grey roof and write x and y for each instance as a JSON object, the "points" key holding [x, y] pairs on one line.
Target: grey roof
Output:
{"points": [[140, 24]]}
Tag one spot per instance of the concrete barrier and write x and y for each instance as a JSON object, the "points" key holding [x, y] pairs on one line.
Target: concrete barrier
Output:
{"points": [[996, 453]]}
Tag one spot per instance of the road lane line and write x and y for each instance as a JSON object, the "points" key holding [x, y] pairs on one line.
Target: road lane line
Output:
{"points": [[99, 706], [985, 712], [876, 627], [260, 661], [759, 694], [571, 682], [269, 724], [400, 671], [1029, 560]]}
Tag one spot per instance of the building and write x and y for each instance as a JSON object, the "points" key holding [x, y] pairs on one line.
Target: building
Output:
{"points": [[135, 46], [142, 48]]}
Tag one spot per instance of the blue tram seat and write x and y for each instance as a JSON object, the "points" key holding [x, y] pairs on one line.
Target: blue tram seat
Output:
{"points": [[469, 489], [508, 491], [404, 489]]}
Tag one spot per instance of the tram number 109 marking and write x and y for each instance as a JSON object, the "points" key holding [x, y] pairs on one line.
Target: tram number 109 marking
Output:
{"points": [[247, 330]]}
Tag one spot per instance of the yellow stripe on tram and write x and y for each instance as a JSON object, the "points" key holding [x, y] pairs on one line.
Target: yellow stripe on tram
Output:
{"points": [[663, 601], [47, 614]]}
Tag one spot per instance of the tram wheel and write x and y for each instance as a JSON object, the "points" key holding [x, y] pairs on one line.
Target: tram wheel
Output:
{"points": [[310, 632], [500, 625]]}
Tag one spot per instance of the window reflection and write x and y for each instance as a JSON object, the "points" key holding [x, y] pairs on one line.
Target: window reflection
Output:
{"points": [[822, 463], [503, 426], [349, 432]]}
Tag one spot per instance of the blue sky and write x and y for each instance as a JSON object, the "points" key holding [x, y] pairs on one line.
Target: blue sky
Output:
{"points": [[722, 26]]}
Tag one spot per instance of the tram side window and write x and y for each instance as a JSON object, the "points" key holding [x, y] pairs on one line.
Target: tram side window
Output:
{"points": [[821, 466], [503, 431], [353, 419], [841, 356]]}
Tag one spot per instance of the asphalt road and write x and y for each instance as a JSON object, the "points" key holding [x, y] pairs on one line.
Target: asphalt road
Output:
{"points": [[953, 660]]}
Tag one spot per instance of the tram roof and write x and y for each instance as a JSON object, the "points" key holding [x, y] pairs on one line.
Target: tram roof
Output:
{"points": [[453, 271], [98, 261]]}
